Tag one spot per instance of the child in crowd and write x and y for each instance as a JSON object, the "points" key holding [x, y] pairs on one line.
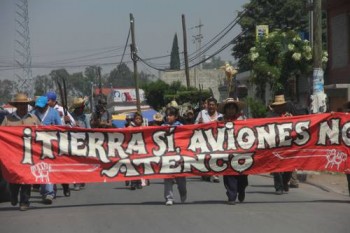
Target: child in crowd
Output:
{"points": [[172, 115]]}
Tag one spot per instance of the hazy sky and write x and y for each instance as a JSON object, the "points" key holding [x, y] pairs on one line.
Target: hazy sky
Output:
{"points": [[77, 33]]}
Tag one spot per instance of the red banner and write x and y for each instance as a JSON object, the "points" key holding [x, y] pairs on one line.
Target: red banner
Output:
{"points": [[51, 154]]}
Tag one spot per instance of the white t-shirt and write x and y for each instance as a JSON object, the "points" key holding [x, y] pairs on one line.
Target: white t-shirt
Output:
{"points": [[206, 117], [60, 110]]}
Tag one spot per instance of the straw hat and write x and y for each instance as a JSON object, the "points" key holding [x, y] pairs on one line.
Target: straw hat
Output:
{"points": [[20, 98], [189, 111], [32, 101], [240, 105], [78, 102], [279, 100], [173, 103], [158, 117]]}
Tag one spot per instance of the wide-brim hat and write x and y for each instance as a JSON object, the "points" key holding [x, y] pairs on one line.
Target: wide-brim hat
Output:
{"points": [[78, 102], [20, 98], [174, 104], [240, 105], [32, 101], [158, 117], [279, 100], [189, 111]]}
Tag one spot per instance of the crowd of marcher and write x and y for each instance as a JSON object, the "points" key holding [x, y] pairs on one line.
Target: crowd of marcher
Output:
{"points": [[45, 110]]}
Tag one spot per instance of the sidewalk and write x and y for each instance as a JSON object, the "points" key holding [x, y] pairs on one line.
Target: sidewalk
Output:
{"points": [[329, 181]]}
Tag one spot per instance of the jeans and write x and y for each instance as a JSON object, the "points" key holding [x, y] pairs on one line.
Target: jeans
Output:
{"points": [[168, 188], [281, 180], [234, 185], [47, 189], [24, 191]]}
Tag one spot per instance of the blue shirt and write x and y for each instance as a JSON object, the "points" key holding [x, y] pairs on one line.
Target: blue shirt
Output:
{"points": [[176, 123], [81, 120], [49, 117]]}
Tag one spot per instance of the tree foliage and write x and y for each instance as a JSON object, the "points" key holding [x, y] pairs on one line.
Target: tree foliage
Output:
{"points": [[257, 107], [279, 58], [6, 88], [121, 77], [42, 84], [175, 56], [159, 94], [154, 93], [277, 14]]}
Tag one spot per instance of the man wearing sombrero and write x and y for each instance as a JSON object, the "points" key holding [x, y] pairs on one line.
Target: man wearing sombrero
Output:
{"points": [[21, 117], [281, 179], [81, 121], [235, 184]]}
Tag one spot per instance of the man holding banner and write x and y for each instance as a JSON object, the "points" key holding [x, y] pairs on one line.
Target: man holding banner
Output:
{"points": [[20, 117], [48, 116], [281, 179], [234, 184]]}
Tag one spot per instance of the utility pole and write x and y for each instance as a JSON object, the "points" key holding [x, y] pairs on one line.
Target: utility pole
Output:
{"points": [[134, 58], [318, 97], [185, 50], [92, 97], [99, 81], [197, 39]]}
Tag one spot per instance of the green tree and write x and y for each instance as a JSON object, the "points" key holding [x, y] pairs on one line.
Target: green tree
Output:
{"points": [[121, 77], [80, 84], [145, 78], [175, 87], [277, 14], [159, 94], [58, 75], [175, 56], [91, 74], [6, 87], [257, 107], [279, 59], [42, 84], [155, 92]]}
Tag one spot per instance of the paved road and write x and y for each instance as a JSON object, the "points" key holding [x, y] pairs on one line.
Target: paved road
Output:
{"points": [[113, 208]]}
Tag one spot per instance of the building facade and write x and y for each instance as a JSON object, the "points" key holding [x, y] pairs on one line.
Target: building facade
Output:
{"points": [[337, 86]]}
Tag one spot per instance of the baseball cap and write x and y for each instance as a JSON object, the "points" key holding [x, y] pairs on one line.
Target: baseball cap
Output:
{"points": [[41, 101], [51, 95]]}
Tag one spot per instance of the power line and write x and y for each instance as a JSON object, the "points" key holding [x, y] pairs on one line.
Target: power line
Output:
{"points": [[126, 45], [85, 56], [214, 41], [202, 61], [219, 36], [147, 61]]}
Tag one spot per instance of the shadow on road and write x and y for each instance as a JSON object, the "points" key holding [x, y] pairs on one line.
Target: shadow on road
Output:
{"points": [[161, 203]]}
